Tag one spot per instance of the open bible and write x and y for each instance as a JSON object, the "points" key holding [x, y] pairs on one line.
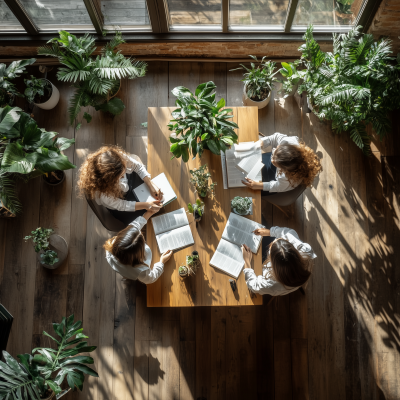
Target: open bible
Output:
{"points": [[172, 230], [142, 192], [238, 231]]}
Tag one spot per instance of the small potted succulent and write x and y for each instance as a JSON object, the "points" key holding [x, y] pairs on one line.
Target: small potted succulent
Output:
{"points": [[192, 263], [258, 82], [241, 205], [201, 179], [41, 92], [197, 209], [52, 249], [291, 79], [183, 271]]}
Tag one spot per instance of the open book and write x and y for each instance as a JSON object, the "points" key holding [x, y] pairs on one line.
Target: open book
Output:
{"points": [[142, 192], [238, 231], [172, 230], [249, 153]]}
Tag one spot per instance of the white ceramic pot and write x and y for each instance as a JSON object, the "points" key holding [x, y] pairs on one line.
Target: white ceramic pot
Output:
{"points": [[251, 103], [58, 244], [52, 101]]}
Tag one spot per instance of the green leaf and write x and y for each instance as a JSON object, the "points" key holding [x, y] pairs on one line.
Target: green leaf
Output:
{"points": [[8, 118], [53, 162], [16, 160], [63, 143], [53, 386], [221, 103], [87, 117], [83, 368], [213, 147], [115, 106], [78, 359]]}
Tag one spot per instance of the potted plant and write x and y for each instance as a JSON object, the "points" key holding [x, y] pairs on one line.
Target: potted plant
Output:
{"points": [[241, 205], [258, 82], [8, 91], [197, 209], [192, 263], [200, 123], [10, 206], [291, 79], [29, 151], [183, 271], [201, 179], [343, 10], [97, 80], [354, 86], [41, 92], [52, 249], [39, 376]]}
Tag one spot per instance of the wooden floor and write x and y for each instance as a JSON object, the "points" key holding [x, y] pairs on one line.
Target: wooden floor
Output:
{"points": [[339, 341]]}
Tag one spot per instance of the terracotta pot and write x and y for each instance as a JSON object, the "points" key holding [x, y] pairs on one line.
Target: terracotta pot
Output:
{"points": [[52, 101], [259, 104], [58, 244]]}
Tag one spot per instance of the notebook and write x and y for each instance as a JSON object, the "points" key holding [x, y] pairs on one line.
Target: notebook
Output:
{"points": [[228, 256], [142, 192], [249, 153], [172, 230]]}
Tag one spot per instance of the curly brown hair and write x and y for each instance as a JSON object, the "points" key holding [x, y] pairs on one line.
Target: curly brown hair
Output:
{"points": [[101, 172], [299, 163]]}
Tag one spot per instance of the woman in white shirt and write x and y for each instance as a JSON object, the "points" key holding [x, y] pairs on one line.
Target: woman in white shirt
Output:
{"points": [[130, 256], [109, 176], [287, 266], [289, 164]]}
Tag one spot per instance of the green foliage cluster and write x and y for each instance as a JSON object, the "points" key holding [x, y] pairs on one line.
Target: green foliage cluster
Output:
{"points": [[292, 77], [40, 238], [241, 204], [192, 259], [197, 207], [49, 257], [96, 79], [46, 368], [36, 87], [200, 123], [201, 179], [27, 151], [355, 85], [258, 81], [344, 6], [7, 74]]}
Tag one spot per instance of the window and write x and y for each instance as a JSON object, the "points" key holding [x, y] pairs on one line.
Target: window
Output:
{"points": [[125, 15], [56, 14], [326, 15], [195, 14], [8, 22], [257, 14]]}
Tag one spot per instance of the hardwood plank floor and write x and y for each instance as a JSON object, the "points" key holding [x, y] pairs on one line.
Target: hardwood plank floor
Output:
{"points": [[339, 341]]}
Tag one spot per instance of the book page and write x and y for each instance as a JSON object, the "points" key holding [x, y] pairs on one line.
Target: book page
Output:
{"points": [[228, 258], [175, 239], [255, 171], [167, 222], [142, 192], [239, 230], [248, 163]]}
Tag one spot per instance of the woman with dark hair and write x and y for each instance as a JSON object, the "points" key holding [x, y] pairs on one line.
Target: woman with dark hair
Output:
{"points": [[109, 176], [287, 266], [130, 256], [289, 164]]}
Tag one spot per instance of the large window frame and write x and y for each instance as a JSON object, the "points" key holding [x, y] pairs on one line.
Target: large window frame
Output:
{"points": [[161, 31]]}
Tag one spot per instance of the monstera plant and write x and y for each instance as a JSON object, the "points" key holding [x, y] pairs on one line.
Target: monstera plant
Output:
{"points": [[41, 373], [200, 123], [28, 151]]}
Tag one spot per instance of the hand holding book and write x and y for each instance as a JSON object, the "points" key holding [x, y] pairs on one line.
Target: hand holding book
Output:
{"points": [[262, 232], [247, 256]]}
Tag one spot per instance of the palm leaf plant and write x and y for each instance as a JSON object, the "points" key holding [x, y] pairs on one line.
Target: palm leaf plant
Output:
{"points": [[7, 74], [200, 123], [96, 79], [27, 152], [45, 370], [356, 85]]}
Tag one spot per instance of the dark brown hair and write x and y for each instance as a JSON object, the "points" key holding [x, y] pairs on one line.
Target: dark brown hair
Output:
{"points": [[128, 246], [289, 266], [299, 163], [101, 172]]}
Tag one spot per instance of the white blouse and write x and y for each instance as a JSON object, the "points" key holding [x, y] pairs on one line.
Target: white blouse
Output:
{"points": [[266, 283], [114, 203], [141, 272], [281, 183]]}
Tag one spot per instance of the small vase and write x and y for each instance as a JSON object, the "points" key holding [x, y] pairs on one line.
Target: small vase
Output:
{"points": [[52, 101]]}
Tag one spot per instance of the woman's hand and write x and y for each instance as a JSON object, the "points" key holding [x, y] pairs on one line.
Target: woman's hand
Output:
{"points": [[253, 184], [247, 256], [262, 232], [153, 206], [155, 191], [166, 256]]}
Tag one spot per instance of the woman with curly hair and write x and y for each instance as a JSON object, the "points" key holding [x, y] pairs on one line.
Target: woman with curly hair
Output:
{"points": [[289, 164], [109, 176]]}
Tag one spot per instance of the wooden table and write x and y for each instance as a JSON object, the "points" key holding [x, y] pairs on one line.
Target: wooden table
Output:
{"points": [[210, 286]]}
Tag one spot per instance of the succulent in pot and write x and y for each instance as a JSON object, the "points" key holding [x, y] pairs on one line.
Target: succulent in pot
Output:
{"points": [[192, 263], [258, 82], [241, 205], [183, 271], [200, 123], [201, 180], [197, 209]]}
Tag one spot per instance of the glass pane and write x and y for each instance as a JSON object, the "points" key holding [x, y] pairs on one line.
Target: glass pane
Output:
{"points": [[194, 12], [257, 12], [125, 13], [56, 14], [8, 21], [327, 12]]}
